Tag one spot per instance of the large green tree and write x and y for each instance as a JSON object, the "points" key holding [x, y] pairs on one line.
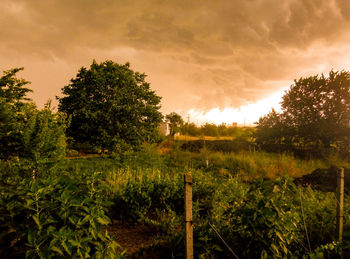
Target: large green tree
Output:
{"points": [[111, 107], [315, 113]]}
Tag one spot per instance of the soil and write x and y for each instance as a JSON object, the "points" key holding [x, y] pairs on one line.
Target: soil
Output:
{"points": [[131, 237], [139, 241], [324, 179]]}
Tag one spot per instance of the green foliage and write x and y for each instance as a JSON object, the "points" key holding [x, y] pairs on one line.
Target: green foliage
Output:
{"points": [[111, 107], [227, 146], [263, 215], [175, 122], [44, 138], [12, 90], [317, 108], [142, 195], [320, 215], [190, 129], [270, 129], [331, 250], [212, 130], [266, 221], [315, 115], [209, 129], [55, 217], [35, 136], [12, 102], [256, 218]]}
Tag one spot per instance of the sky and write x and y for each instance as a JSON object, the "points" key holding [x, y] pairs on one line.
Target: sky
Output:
{"points": [[212, 61]]}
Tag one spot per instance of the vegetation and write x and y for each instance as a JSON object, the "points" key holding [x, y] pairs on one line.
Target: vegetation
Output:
{"points": [[212, 130], [35, 136], [315, 115], [111, 107], [53, 216], [12, 97], [57, 207], [175, 122], [76, 199]]}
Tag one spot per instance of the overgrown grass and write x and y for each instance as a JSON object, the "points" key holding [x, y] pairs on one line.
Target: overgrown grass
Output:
{"points": [[257, 212], [245, 164], [266, 215], [251, 165]]}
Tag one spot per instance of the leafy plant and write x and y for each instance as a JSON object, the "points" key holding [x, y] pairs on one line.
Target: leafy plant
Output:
{"points": [[57, 216]]}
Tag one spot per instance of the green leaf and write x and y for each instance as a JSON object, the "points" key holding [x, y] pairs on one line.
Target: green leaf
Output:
{"points": [[74, 243], [103, 221], [66, 247], [56, 249], [36, 219], [31, 237]]}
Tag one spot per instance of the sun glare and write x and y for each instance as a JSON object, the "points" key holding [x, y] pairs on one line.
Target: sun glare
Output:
{"points": [[243, 115]]}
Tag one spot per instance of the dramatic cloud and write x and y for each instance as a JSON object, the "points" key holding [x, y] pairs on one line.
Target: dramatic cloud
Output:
{"points": [[199, 55]]}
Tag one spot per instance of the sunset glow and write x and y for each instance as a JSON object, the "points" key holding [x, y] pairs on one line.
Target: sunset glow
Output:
{"points": [[244, 115]]}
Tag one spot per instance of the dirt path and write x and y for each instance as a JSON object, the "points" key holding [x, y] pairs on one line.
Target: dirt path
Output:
{"points": [[132, 238]]}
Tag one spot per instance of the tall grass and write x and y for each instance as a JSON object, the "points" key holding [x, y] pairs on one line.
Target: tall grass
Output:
{"points": [[251, 165], [245, 164]]}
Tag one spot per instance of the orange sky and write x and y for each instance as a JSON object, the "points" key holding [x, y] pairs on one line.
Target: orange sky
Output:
{"points": [[218, 61]]}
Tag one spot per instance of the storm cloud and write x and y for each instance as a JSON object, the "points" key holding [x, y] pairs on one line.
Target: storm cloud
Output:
{"points": [[197, 54]]}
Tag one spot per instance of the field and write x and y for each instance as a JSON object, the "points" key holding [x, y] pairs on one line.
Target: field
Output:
{"points": [[189, 138], [132, 205]]}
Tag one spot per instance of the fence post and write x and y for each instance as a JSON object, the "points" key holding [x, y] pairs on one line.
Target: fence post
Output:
{"points": [[340, 203], [188, 215]]}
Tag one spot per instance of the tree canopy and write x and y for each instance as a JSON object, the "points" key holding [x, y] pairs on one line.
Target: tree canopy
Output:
{"points": [[111, 107], [315, 114], [175, 122]]}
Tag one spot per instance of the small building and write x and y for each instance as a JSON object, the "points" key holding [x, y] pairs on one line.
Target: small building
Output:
{"points": [[164, 128]]}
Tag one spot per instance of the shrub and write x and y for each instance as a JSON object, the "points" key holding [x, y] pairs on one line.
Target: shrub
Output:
{"points": [[55, 217]]}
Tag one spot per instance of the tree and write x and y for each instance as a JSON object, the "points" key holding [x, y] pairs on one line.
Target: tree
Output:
{"points": [[111, 107], [210, 129], [315, 113], [37, 136], [43, 137], [270, 129], [175, 122], [189, 128], [12, 99], [12, 90], [317, 108]]}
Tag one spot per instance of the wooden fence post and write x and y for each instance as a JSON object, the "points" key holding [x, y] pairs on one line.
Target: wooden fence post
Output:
{"points": [[340, 203], [188, 215]]}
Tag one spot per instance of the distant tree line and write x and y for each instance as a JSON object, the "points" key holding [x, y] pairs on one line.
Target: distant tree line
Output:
{"points": [[211, 129], [177, 125]]}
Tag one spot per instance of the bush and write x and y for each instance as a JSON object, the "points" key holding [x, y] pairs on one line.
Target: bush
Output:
{"points": [[55, 217], [141, 196]]}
